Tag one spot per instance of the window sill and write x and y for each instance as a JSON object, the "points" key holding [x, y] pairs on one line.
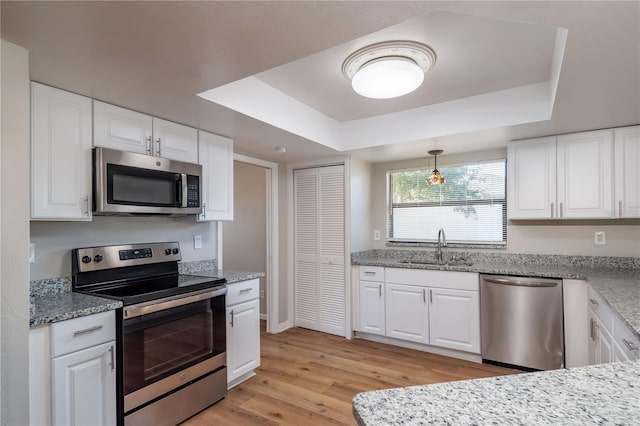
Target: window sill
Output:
{"points": [[449, 245]]}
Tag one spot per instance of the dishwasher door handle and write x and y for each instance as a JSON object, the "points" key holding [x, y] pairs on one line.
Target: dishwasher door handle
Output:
{"points": [[517, 283]]}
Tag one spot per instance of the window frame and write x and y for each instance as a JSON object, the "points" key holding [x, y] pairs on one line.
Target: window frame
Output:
{"points": [[416, 241]]}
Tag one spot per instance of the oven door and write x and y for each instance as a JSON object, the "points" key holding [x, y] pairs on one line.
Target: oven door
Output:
{"points": [[171, 342]]}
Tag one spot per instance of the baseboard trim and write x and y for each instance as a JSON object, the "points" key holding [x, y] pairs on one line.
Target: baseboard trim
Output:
{"points": [[263, 317], [283, 326]]}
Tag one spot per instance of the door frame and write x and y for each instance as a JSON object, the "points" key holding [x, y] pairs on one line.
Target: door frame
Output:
{"points": [[331, 161], [273, 242]]}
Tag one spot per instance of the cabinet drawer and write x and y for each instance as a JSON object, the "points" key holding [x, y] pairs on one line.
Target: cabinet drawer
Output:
{"points": [[626, 339], [372, 273], [81, 333], [243, 291], [602, 310]]}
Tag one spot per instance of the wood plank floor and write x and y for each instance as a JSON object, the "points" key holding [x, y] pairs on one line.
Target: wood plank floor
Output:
{"points": [[310, 378]]}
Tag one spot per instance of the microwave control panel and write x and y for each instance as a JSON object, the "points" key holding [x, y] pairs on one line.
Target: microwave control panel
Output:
{"points": [[193, 191]]}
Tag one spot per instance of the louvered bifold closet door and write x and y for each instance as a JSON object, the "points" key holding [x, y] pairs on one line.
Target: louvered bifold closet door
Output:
{"points": [[306, 248], [320, 249]]}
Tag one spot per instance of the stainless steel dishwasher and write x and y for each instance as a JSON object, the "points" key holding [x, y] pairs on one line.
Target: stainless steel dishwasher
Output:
{"points": [[522, 322]]}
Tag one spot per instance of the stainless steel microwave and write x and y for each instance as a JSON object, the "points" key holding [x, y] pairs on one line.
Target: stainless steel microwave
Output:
{"points": [[130, 183]]}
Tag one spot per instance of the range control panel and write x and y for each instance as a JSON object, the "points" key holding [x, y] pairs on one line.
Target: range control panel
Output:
{"points": [[109, 257]]}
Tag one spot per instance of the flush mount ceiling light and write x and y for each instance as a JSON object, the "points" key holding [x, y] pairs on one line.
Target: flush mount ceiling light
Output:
{"points": [[389, 69], [435, 178]]}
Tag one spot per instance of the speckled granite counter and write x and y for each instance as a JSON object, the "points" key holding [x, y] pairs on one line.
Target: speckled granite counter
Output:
{"points": [[51, 308], [616, 279], [53, 301], [605, 394]]}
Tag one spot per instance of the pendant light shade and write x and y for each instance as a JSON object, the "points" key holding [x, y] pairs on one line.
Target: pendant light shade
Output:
{"points": [[435, 178], [388, 69]]}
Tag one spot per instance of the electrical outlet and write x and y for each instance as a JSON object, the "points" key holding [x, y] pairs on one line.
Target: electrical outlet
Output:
{"points": [[599, 238], [32, 253], [261, 294], [376, 235], [197, 242]]}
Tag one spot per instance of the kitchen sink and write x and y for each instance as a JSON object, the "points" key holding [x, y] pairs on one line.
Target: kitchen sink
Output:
{"points": [[451, 262]]}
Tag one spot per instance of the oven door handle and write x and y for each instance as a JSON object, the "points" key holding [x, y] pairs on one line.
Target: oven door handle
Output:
{"points": [[148, 308]]}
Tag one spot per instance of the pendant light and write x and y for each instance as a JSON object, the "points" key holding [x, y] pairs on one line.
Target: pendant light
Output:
{"points": [[435, 178]]}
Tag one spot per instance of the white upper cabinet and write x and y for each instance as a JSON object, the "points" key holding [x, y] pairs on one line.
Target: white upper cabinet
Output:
{"points": [[122, 129], [60, 154], [215, 154], [531, 171], [125, 130], [561, 177], [175, 141], [627, 171], [585, 179]]}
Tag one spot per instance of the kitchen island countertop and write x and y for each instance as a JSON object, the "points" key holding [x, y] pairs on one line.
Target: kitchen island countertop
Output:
{"points": [[605, 394]]}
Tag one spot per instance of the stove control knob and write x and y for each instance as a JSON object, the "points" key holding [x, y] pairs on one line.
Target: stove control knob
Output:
{"points": [[97, 258], [86, 259], [175, 251], [167, 251]]}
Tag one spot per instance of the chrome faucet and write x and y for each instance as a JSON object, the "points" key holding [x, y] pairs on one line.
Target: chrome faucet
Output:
{"points": [[442, 242]]}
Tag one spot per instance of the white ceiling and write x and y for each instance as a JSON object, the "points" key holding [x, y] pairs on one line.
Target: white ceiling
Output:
{"points": [[155, 57]]}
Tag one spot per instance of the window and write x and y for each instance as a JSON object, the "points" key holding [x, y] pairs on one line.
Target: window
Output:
{"points": [[470, 206]]}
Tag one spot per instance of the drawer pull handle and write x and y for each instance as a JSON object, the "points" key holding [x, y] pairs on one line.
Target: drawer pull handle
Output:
{"points": [[594, 302], [87, 331], [245, 290], [630, 345], [369, 273]]}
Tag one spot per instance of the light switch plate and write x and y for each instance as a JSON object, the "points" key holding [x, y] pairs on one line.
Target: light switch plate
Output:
{"points": [[197, 242], [376, 235], [599, 238]]}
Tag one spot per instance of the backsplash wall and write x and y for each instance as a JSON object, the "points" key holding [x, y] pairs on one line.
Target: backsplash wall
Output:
{"points": [[54, 240]]}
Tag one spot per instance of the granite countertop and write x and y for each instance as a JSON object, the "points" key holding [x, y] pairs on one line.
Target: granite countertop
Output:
{"points": [[53, 301], [599, 394], [620, 287]]}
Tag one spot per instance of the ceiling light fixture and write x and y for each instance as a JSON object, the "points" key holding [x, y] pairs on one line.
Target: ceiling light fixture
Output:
{"points": [[388, 69], [435, 178]]}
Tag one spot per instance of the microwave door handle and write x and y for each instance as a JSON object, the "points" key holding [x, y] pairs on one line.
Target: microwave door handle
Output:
{"points": [[182, 201]]}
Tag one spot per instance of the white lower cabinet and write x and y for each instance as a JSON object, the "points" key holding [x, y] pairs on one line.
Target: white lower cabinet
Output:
{"points": [[454, 319], [84, 387], [372, 318], [407, 313], [243, 331], [435, 308], [610, 340], [72, 372]]}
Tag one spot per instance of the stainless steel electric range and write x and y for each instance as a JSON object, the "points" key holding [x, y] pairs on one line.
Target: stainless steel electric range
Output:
{"points": [[171, 331]]}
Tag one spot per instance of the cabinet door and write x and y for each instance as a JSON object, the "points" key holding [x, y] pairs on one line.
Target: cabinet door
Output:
{"points": [[216, 157], [627, 179], [372, 307], [243, 339], [175, 141], [618, 354], [121, 129], [407, 312], [454, 319], [84, 387], [585, 175], [531, 174], [60, 154], [605, 345]]}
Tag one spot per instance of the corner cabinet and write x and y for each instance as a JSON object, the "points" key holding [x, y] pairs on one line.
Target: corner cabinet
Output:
{"points": [[243, 331], [60, 155], [126, 130], [215, 154]]}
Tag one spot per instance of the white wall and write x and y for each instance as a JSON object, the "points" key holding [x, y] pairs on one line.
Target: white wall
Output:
{"points": [[54, 240], [14, 232], [361, 230], [244, 241], [535, 237]]}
